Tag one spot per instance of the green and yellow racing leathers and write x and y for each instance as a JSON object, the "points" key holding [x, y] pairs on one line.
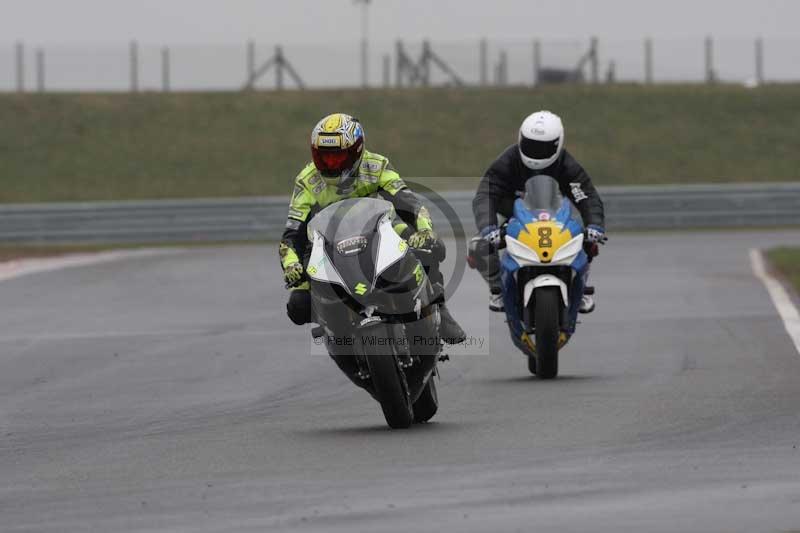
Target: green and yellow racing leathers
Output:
{"points": [[312, 192]]}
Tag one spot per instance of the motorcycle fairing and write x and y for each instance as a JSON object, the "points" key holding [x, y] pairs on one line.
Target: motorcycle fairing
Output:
{"points": [[391, 248], [566, 231], [320, 267], [380, 274], [356, 272], [360, 272], [519, 336], [565, 218]]}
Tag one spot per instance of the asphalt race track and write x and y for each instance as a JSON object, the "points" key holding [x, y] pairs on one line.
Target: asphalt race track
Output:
{"points": [[170, 393]]}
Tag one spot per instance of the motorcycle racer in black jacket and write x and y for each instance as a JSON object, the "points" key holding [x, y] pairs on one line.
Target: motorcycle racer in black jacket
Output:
{"points": [[539, 150]]}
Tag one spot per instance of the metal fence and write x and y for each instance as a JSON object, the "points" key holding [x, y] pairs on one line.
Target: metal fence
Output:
{"points": [[627, 208], [132, 66]]}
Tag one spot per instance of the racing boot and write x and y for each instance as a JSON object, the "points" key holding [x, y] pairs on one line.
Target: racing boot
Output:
{"points": [[587, 304], [587, 301], [449, 329], [496, 302]]}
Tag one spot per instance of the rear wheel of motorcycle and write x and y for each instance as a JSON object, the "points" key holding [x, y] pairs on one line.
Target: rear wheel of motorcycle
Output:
{"points": [[428, 402], [547, 309], [390, 388]]}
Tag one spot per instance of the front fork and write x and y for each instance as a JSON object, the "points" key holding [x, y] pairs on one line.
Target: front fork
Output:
{"points": [[516, 312]]}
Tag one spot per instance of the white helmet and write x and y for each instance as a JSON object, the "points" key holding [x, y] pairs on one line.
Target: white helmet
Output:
{"points": [[541, 140]]}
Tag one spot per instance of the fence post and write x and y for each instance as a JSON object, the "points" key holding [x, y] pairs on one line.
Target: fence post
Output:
{"points": [[387, 71], [611, 73], [251, 59], [134, 64], [595, 61], [710, 75], [364, 64], [364, 49], [483, 58], [425, 64], [364, 43], [759, 61], [165, 69], [20, 55], [501, 70], [648, 61], [40, 70], [279, 68], [398, 64], [537, 60]]}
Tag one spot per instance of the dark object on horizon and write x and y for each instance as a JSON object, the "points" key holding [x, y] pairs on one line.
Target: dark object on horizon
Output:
{"points": [[550, 75], [560, 75]]}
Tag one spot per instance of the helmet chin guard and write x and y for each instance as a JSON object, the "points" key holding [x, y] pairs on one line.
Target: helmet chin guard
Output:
{"points": [[541, 140]]}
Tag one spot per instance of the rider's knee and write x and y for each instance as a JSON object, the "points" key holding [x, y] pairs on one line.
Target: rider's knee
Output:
{"points": [[298, 308], [435, 275]]}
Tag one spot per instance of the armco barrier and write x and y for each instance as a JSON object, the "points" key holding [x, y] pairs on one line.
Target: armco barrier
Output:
{"points": [[242, 219]]}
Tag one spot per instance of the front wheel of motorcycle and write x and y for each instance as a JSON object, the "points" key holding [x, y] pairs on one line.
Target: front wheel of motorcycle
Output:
{"points": [[390, 388], [547, 311], [427, 404], [532, 364]]}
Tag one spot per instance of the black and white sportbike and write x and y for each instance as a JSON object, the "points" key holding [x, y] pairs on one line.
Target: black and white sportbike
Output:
{"points": [[375, 305]]}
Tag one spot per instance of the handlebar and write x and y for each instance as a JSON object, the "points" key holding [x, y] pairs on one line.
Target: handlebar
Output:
{"points": [[592, 249], [503, 233]]}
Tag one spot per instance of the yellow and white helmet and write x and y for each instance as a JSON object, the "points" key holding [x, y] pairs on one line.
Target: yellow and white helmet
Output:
{"points": [[337, 145]]}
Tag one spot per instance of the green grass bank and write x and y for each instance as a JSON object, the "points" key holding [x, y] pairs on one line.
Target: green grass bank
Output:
{"points": [[66, 147], [787, 262]]}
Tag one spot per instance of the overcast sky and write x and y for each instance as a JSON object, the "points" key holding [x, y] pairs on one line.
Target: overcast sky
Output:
{"points": [[293, 21], [86, 41]]}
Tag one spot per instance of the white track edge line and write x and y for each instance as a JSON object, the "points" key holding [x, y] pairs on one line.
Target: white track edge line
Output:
{"points": [[780, 298]]}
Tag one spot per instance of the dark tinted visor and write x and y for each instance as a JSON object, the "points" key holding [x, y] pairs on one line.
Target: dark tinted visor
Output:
{"points": [[334, 161], [538, 149]]}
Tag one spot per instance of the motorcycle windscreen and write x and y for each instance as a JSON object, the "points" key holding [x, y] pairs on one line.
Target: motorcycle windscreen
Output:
{"points": [[356, 233], [349, 218], [542, 193]]}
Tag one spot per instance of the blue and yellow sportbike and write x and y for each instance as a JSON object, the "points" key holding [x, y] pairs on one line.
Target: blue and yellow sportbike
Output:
{"points": [[543, 272]]}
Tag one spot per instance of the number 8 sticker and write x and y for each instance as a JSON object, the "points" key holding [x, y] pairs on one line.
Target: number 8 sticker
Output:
{"points": [[544, 237]]}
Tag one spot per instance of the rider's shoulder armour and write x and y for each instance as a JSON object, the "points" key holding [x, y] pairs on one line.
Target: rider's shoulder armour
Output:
{"points": [[308, 172], [372, 166]]}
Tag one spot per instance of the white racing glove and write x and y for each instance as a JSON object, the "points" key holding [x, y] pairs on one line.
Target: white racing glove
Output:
{"points": [[596, 234], [491, 234]]}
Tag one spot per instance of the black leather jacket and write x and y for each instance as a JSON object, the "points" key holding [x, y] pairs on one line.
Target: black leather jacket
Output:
{"points": [[507, 176]]}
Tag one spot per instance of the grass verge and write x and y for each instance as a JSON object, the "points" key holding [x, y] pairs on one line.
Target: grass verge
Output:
{"points": [[71, 147], [787, 262]]}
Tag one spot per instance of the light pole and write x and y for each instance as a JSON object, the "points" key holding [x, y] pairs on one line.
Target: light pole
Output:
{"points": [[364, 43]]}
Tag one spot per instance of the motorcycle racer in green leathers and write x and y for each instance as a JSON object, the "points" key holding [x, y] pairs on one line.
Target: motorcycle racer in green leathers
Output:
{"points": [[343, 168]]}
